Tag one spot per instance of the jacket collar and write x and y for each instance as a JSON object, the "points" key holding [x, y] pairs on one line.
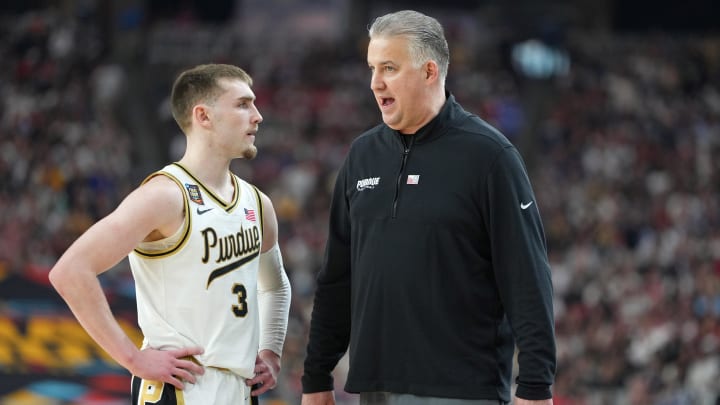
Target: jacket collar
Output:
{"points": [[437, 126]]}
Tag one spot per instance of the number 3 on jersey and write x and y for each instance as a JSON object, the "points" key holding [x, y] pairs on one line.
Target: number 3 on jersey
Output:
{"points": [[240, 310]]}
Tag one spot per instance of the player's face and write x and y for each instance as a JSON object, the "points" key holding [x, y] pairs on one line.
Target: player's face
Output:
{"points": [[236, 118], [400, 88]]}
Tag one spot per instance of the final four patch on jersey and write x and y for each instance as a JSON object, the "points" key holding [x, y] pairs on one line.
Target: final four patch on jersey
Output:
{"points": [[194, 192]]}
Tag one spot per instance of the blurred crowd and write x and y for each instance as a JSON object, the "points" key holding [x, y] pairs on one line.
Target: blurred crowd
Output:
{"points": [[623, 151]]}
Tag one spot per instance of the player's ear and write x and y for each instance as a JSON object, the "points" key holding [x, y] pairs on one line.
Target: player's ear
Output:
{"points": [[201, 115]]}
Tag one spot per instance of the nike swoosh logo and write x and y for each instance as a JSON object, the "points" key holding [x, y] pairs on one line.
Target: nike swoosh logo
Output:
{"points": [[524, 206], [200, 212]]}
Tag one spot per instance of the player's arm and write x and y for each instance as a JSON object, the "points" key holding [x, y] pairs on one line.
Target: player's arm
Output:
{"points": [[274, 300], [155, 208]]}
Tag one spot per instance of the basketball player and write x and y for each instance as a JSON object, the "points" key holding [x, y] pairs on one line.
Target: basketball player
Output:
{"points": [[212, 294]]}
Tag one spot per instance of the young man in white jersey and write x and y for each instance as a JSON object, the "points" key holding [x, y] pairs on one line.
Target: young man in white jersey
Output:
{"points": [[213, 296]]}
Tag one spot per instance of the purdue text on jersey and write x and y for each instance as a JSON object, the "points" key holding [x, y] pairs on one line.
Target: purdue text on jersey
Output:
{"points": [[243, 245]]}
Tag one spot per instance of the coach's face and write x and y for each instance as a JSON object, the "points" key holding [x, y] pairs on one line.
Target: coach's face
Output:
{"points": [[401, 89]]}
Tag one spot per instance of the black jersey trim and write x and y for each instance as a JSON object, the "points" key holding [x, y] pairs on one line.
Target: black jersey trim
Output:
{"points": [[187, 223], [227, 206], [260, 211]]}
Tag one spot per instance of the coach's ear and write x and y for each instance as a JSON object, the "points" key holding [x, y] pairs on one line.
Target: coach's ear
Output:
{"points": [[432, 71]]}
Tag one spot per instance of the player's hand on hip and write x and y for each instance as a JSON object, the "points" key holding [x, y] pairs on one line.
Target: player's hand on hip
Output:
{"points": [[267, 368], [319, 398], [172, 366]]}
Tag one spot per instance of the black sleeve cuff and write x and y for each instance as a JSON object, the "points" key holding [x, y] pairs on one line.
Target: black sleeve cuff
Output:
{"points": [[533, 392], [317, 383]]}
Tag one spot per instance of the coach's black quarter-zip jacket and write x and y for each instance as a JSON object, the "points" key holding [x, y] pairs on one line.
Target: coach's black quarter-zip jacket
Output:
{"points": [[436, 254]]}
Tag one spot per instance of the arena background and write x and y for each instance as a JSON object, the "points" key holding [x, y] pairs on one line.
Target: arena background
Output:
{"points": [[615, 105]]}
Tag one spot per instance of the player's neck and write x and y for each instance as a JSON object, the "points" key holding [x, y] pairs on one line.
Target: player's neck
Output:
{"points": [[213, 172]]}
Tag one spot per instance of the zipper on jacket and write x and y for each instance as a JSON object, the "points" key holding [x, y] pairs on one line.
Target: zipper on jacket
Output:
{"points": [[403, 162]]}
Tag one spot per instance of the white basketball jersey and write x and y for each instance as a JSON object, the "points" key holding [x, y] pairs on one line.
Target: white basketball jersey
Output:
{"points": [[199, 286]]}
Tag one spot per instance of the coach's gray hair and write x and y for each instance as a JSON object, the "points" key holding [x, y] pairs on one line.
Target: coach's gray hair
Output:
{"points": [[424, 33]]}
